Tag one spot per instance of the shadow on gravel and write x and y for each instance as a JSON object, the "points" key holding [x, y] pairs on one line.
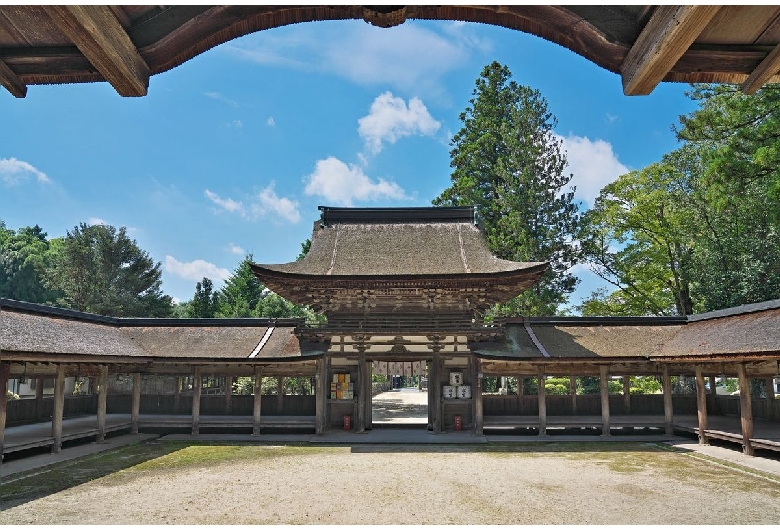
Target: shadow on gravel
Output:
{"points": [[525, 447]]}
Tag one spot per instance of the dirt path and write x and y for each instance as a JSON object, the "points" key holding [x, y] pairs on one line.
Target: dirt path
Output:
{"points": [[640, 484], [404, 405]]}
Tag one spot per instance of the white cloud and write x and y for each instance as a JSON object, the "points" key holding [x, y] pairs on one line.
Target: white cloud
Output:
{"points": [[390, 119], [264, 203], [341, 184], [13, 172], [195, 270], [407, 57], [593, 164], [219, 97], [92, 221], [235, 249], [267, 202], [271, 122]]}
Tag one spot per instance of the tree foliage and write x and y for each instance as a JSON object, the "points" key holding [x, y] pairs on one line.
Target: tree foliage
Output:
{"points": [[24, 257], [101, 270], [205, 303], [507, 161]]}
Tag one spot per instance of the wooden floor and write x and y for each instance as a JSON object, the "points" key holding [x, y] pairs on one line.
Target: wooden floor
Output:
{"points": [[728, 428]]}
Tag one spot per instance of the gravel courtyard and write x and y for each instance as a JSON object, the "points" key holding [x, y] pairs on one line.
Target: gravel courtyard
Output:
{"points": [[554, 483]]}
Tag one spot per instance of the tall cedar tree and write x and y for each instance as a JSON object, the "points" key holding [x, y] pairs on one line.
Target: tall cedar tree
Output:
{"points": [[507, 162], [205, 303], [24, 256], [103, 271]]}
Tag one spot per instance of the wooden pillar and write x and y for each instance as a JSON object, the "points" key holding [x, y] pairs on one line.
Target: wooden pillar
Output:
{"points": [[573, 390], [479, 418], [360, 426], [177, 395], [542, 399], [627, 393], [321, 390], [102, 392], [713, 386], [701, 405], [228, 394], [279, 394], [666, 384], [257, 401], [746, 410], [135, 408], [38, 398], [5, 369], [769, 383], [604, 376], [196, 388], [436, 389], [59, 408]]}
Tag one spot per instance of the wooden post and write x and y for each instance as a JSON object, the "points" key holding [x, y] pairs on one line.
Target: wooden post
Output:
{"points": [[196, 388], [5, 369], [604, 376], [666, 383], [360, 426], [135, 409], [713, 386], [542, 399], [769, 383], [701, 405], [573, 390], [38, 398], [627, 394], [321, 391], [479, 418], [436, 389], [257, 401], [746, 410], [177, 395], [102, 390], [59, 408], [279, 394], [228, 394]]}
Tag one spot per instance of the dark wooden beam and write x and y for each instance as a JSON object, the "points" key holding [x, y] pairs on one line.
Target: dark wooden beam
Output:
{"points": [[11, 81], [666, 37], [135, 407], [763, 72], [98, 34]]}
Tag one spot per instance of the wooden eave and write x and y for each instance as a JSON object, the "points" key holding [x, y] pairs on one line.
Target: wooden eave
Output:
{"points": [[643, 44]]}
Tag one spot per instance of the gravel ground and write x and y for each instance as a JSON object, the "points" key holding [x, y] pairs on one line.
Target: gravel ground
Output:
{"points": [[537, 484]]}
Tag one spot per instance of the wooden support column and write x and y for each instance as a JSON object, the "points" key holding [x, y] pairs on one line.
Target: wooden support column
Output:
{"points": [[38, 398], [135, 408], [479, 418], [102, 392], [257, 401], [746, 410], [627, 394], [5, 369], [701, 405], [666, 384], [279, 394], [713, 386], [542, 393], [177, 395], [228, 394], [360, 426], [436, 389], [321, 392], [573, 390], [196, 388], [604, 373], [59, 408], [769, 383]]}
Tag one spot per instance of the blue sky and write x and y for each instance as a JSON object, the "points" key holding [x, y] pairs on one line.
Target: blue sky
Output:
{"points": [[233, 151]]}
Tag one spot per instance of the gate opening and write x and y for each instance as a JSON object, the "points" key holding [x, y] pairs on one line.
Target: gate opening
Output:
{"points": [[399, 394]]}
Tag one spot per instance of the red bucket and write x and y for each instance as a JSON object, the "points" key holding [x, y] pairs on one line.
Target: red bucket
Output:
{"points": [[458, 422], [347, 423]]}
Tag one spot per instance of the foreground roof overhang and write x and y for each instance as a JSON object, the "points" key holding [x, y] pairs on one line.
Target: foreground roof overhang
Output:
{"points": [[645, 45]]}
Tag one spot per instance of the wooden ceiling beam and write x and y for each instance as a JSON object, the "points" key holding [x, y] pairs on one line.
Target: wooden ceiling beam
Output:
{"points": [[97, 33], [763, 72], [666, 37], [11, 81]]}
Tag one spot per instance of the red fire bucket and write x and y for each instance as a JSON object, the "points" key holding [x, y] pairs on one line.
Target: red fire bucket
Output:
{"points": [[458, 422], [347, 423]]}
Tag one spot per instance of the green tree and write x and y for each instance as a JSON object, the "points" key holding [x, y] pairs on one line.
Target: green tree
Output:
{"points": [[242, 293], [24, 257], [101, 270], [205, 303], [507, 161]]}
